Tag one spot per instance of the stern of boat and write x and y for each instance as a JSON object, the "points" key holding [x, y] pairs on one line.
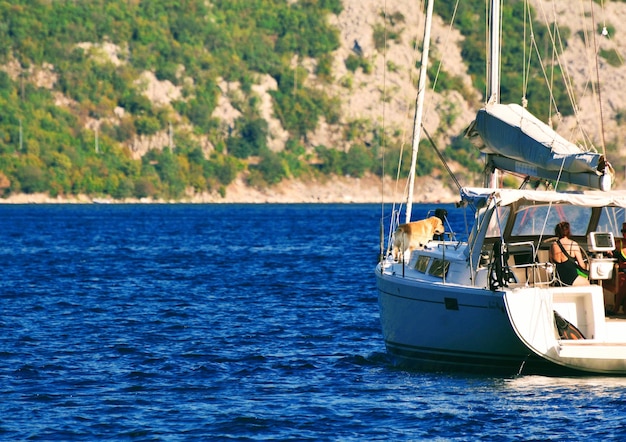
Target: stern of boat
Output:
{"points": [[568, 326]]}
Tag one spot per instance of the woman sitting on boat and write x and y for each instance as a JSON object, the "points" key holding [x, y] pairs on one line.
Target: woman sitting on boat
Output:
{"points": [[565, 253]]}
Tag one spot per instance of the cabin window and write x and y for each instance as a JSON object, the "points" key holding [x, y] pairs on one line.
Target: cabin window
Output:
{"points": [[422, 263], [611, 219], [497, 222], [531, 220], [439, 268]]}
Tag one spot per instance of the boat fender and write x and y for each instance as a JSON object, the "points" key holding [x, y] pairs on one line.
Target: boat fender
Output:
{"points": [[566, 329]]}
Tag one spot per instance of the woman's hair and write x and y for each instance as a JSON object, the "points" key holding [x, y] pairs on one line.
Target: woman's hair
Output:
{"points": [[562, 229]]}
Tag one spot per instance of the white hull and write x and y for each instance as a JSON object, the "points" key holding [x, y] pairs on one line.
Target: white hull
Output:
{"points": [[437, 326], [444, 325]]}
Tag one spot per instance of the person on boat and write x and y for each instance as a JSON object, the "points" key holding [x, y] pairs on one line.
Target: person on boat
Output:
{"points": [[441, 214], [566, 254]]}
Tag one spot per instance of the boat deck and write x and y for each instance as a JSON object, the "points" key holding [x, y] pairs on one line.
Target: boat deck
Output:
{"points": [[590, 348]]}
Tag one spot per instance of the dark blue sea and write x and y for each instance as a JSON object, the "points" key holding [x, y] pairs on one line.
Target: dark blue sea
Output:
{"points": [[237, 322]]}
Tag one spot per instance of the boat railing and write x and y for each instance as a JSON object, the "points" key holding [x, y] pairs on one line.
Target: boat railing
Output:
{"points": [[443, 215], [524, 264]]}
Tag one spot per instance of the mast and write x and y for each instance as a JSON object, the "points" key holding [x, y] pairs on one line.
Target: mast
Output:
{"points": [[493, 78], [493, 61], [419, 107]]}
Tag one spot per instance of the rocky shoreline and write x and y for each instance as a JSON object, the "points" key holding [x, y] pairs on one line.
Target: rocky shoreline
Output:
{"points": [[344, 190]]}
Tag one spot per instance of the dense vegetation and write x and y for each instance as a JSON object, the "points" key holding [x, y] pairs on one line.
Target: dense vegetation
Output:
{"points": [[191, 43], [45, 146]]}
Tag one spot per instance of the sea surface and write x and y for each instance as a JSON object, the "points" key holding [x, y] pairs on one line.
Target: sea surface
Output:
{"points": [[237, 322]]}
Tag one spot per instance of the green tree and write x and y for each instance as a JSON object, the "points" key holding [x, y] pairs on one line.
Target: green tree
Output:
{"points": [[271, 167], [251, 138], [31, 178], [358, 160], [332, 161]]}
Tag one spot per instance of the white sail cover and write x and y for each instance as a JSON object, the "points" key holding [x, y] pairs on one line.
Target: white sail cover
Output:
{"points": [[479, 197], [511, 131]]}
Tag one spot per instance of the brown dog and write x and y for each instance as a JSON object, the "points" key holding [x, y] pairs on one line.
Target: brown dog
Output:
{"points": [[415, 234]]}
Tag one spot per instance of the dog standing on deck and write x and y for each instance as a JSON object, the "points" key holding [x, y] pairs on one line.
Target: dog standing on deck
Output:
{"points": [[415, 234]]}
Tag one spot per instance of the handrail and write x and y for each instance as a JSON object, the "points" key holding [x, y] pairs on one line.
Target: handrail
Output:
{"points": [[533, 265]]}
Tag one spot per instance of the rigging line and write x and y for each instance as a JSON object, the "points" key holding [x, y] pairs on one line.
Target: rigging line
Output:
{"points": [[500, 45], [383, 140], [392, 223], [408, 108], [552, 68], [419, 104], [557, 50], [435, 80], [595, 47], [384, 135], [486, 45], [543, 229], [567, 79], [442, 158], [525, 71], [533, 42], [404, 129], [524, 76], [558, 177], [384, 149], [589, 85], [444, 49], [582, 134]]}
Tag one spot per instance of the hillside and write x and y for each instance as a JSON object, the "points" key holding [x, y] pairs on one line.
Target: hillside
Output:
{"points": [[360, 103]]}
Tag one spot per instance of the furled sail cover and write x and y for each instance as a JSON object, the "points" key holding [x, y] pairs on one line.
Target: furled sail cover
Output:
{"points": [[479, 197], [511, 131]]}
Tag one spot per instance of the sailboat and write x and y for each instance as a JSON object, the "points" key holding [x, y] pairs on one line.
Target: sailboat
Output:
{"points": [[495, 302]]}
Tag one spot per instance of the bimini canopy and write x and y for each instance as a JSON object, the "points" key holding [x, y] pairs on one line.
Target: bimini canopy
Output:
{"points": [[478, 197], [517, 141]]}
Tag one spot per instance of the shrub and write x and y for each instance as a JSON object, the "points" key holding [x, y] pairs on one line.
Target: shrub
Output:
{"points": [[144, 188], [271, 167], [32, 179], [358, 161], [332, 161]]}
